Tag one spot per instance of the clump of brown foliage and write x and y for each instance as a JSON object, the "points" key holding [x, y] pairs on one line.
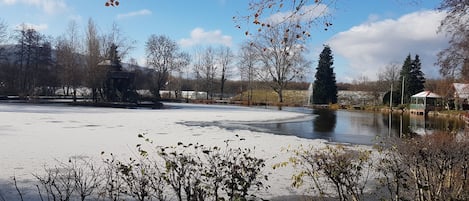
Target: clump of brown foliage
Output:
{"points": [[431, 167]]}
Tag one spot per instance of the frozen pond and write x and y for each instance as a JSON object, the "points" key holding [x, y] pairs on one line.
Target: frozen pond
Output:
{"points": [[34, 136]]}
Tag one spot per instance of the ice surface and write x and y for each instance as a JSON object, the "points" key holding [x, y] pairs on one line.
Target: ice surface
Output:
{"points": [[32, 136]]}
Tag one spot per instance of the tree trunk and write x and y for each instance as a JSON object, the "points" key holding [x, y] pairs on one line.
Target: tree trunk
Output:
{"points": [[74, 95], [280, 95], [221, 90], [222, 85], [94, 95], [157, 94]]}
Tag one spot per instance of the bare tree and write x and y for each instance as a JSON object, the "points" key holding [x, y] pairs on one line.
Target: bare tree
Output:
{"points": [[442, 87], [3, 31], [225, 58], [454, 60], [248, 63], [116, 36], [266, 14], [33, 59], [164, 56], [69, 60], [388, 77], [3, 37], [206, 69], [95, 76], [176, 81], [4, 66], [361, 83], [281, 51]]}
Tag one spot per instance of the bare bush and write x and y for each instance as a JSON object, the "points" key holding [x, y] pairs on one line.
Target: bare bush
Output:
{"points": [[114, 184], [336, 169], [58, 182], [183, 173], [223, 173], [431, 167], [235, 171], [86, 177]]}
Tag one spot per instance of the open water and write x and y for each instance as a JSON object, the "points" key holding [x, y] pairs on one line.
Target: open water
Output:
{"points": [[358, 127]]}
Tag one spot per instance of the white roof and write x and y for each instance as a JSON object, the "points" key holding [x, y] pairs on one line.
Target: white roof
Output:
{"points": [[426, 94], [105, 62], [461, 90]]}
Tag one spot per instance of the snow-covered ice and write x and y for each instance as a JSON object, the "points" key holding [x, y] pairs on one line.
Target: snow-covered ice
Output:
{"points": [[32, 136]]}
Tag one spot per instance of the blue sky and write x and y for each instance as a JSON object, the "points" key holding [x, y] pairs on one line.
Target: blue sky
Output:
{"points": [[366, 35]]}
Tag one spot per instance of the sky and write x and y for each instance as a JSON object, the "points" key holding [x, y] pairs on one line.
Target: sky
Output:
{"points": [[366, 35]]}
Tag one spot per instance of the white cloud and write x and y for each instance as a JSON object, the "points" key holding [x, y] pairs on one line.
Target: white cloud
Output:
{"points": [[8, 2], [135, 13], [368, 47], [48, 6], [200, 36], [37, 27]]}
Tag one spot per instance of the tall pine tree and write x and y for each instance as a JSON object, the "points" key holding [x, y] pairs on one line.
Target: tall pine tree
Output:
{"points": [[411, 78], [418, 79], [404, 78], [325, 88]]}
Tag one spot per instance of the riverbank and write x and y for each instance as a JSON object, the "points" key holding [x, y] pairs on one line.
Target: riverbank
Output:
{"points": [[458, 114]]}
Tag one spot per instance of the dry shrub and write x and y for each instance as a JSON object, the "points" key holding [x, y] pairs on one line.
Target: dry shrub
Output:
{"points": [[333, 171], [431, 167]]}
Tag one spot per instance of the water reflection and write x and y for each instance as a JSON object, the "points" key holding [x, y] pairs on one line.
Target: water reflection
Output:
{"points": [[362, 127], [325, 121], [405, 125]]}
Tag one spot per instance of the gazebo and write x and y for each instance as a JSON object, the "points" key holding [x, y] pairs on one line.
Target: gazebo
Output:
{"points": [[424, 101]]}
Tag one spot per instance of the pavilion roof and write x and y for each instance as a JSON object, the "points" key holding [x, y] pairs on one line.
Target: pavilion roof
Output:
{"points": [[426, 94]]}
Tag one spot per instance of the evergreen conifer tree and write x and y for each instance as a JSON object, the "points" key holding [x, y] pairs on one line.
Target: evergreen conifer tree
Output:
{"points": [[113, 56], [411, 78], [418, 79], [404, 78], [325, 88]]}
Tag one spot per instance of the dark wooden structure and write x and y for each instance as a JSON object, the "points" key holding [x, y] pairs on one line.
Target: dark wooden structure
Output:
{"points": [[119, 85]]}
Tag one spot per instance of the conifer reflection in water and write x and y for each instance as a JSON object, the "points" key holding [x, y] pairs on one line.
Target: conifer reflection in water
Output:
{"points": [[357, 127]]}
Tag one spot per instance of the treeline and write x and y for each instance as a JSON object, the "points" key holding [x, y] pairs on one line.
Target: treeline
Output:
{"points": [[30, 67], [33, 64]]}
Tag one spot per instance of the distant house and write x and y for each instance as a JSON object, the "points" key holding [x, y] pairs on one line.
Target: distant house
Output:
{"points": [[359, 98], [193, 95], [425, 101], [461, 95]]}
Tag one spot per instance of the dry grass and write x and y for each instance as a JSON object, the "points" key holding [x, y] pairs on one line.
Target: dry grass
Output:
{"points": [[269, 97]]}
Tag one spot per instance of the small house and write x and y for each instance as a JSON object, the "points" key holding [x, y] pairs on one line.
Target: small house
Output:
{"points": [[461, 95], [425, 101]]}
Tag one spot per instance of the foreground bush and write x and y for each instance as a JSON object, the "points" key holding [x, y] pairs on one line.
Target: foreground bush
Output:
{"points": [[333, 171], [189, 172], [431, 167], [424, 168]]}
